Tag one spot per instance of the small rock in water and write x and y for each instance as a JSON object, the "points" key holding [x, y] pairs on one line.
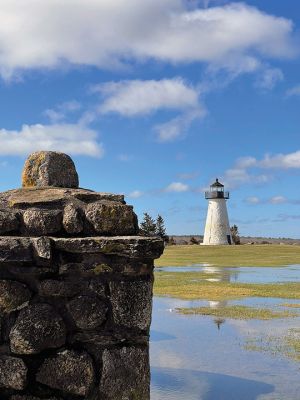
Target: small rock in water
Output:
{"points": [[49, 168]]}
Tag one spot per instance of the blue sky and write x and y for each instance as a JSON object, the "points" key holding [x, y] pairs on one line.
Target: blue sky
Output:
{"points": [[154, 99]]}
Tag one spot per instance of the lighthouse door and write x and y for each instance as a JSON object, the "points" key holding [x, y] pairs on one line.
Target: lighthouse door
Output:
{"points": [[228, 239]]}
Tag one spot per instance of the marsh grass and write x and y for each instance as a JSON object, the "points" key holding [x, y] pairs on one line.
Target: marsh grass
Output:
{"points": [[290, 305], [190, 286], [287, 345], [232, 256], [237, 312]]}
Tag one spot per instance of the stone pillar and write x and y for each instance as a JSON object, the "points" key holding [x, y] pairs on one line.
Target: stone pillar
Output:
{"points": [[75, 289]]}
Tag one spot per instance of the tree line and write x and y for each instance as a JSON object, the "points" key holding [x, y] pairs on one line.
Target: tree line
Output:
{"points": [[153, 227], [156, 227]]}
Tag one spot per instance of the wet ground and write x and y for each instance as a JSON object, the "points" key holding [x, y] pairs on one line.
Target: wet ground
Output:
{"points": [[197, 357], [289, 273]]}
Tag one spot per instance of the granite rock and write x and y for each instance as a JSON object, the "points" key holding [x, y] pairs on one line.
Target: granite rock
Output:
{"points": [[49, 168], [69, 371], [9, 221], [38, 327], [132, 303], [125, 246], [72, 219], [42, 247], [39, 222], [13, 296], [13, 373], [125, 374], [60, 288], [88, 312], [25, 397], [52, 197], [15, 249], [110, 218]]}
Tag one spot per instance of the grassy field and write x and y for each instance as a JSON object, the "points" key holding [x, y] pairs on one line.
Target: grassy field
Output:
{"points": [[237, 312], [233, 256], [190, 285]]}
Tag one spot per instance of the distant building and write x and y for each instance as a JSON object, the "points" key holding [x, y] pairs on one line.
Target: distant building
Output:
{"points": [[217, 228]]}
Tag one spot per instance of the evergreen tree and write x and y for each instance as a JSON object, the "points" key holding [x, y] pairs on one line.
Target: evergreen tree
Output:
{"points": [[148, 226], [160, 228], [235, 234]]}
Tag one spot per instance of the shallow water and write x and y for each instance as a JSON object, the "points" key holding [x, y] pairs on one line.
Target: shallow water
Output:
{"points": [[289, 273], [201, 357]]}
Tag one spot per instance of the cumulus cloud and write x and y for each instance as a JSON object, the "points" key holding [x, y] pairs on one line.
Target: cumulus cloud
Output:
{"points": [[293, 91], [276, 161], [135, 194], [281, 161], [277, 200], [178, 126], [177, 187], [71, 138], [252, 200], [132, 98], [141, 97], [47, 34], [242, 171], [269, 78], [60, 112]]}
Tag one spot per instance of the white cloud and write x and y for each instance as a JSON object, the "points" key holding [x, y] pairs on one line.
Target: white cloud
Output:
{"points": [[70, 138], [137, 97], [276, 161], [281, 161], [252, 200], [135, 194], [177, 187], [277, 200], [178, 126], [245, 162], [109, 34], [60, 112], [239, 174], [294, 91], [269, 78]]}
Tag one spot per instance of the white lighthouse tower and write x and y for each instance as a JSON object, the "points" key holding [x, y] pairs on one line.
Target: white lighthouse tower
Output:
{"points": [[217, 229]]}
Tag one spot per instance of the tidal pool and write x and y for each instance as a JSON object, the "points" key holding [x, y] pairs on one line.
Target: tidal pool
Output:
{"points": [[206, 358], [289, 273]]}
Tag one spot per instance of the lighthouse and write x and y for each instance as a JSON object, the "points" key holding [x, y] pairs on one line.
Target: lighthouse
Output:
{"points": [[217, 228]]}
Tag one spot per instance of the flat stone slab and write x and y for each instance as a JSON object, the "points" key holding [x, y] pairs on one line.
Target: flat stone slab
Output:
{"points": [[24, 249], [130, 246], [41, 196]]}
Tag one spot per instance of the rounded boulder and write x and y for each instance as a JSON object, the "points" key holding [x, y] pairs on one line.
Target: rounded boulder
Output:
{"points": [[49, 168]]}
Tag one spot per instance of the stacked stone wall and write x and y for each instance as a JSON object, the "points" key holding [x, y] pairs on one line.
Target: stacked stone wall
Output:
{"points": [[75, 294]]}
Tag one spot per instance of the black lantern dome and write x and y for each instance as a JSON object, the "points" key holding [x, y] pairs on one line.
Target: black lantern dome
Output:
{"points": [[216, 191]]}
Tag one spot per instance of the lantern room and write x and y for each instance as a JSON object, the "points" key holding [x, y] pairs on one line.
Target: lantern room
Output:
{"points": [[216, 191]]}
